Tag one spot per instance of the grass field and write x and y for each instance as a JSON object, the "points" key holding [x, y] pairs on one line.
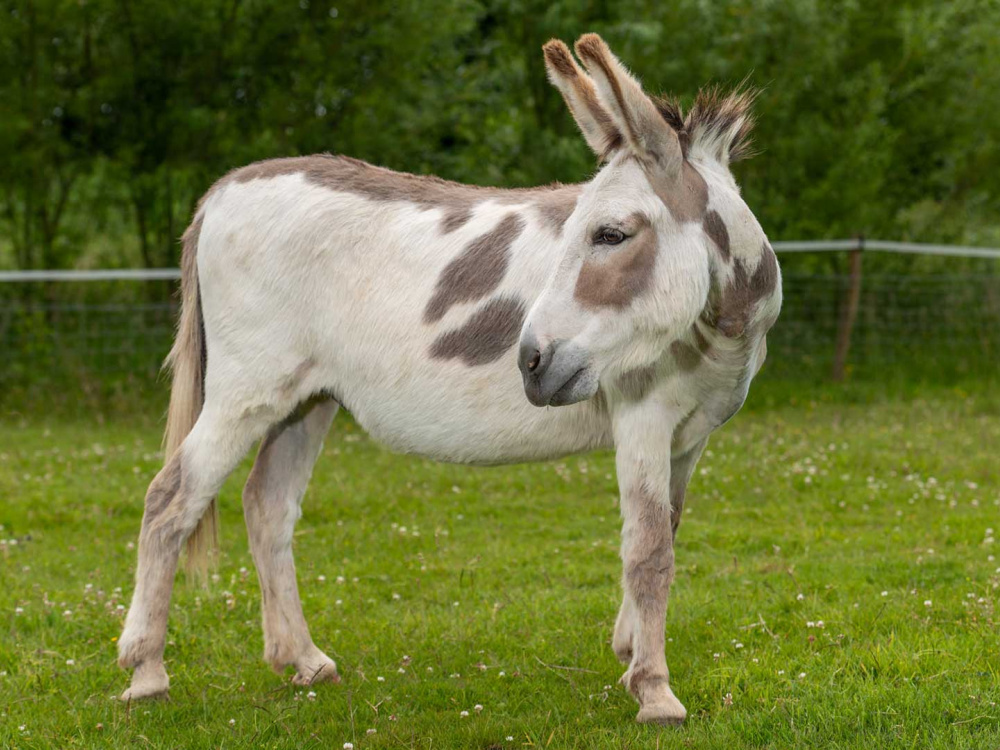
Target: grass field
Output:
{"points": [[837, 587]]}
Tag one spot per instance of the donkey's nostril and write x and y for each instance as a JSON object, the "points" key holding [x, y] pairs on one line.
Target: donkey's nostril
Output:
{"points": [[535, 359]]}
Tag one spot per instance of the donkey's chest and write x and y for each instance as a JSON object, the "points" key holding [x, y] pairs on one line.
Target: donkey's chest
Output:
{"points": [[715, 388]]}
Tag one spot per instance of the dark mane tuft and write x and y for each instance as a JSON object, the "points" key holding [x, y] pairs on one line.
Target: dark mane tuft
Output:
{"points": [[718, 124]]}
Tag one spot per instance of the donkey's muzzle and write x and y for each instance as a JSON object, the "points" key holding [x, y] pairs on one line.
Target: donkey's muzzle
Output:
{"points": [[555, 375]]}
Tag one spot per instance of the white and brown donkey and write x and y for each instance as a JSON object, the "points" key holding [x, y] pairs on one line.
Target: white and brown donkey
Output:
{"points": [[637, 303]]}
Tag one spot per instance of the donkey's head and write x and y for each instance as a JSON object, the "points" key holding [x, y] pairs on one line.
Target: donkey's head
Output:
{"points": [[635, 268]]}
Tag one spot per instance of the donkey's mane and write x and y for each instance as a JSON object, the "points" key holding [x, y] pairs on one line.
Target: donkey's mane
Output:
{"points": [[718, 125]]}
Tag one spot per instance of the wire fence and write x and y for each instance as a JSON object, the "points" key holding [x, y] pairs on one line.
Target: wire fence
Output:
{"points": [[831, 325]]}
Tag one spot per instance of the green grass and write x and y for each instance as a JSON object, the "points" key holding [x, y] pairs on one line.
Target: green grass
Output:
{"points": [[501, 586]]}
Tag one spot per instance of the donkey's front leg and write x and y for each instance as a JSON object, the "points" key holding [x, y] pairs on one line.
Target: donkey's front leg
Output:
{"points": [[681, 469], [642, 436]]}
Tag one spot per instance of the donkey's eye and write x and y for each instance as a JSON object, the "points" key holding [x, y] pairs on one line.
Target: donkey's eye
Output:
{"points": [[608, 236]]}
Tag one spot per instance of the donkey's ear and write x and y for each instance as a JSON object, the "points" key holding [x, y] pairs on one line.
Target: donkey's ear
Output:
{"points": [[637, 118], [580, 96]]}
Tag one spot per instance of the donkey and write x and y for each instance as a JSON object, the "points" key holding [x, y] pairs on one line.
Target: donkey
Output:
{"points": [[637, 303]]}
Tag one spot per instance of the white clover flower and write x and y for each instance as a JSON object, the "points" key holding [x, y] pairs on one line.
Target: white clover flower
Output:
{"points": [[463, 714]]}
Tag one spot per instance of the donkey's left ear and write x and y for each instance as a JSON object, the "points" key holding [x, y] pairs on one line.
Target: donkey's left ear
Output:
{"points": [[580, 96], [645, 131]]}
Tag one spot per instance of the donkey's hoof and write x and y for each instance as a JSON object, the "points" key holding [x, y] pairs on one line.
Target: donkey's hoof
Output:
{"points": [[318, 667], [148, 681], [667, 711]]}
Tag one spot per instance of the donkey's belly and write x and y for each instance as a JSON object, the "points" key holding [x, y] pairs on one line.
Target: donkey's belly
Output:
{"points": [[473, 417]]}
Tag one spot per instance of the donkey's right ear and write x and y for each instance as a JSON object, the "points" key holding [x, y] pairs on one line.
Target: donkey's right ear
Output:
{"points": [[580, 96]]}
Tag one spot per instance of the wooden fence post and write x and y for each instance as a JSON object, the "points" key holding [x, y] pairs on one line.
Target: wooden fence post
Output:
{"points": [[848, 312]]}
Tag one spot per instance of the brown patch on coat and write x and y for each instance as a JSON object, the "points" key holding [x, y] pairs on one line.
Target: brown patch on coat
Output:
{"points": [[455, 218], [344, 174], [688, 355], [477, 271], [636, 384], [556, 206], [162, 490], [715, 228], [649, 560], [486, 335], [681, 469], [643, 682], [686, 199], [294, 381], [739, 300], [624, 274]]}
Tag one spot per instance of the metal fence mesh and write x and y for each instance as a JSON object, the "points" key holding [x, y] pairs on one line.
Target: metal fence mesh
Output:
{"points": [[924, 326]]}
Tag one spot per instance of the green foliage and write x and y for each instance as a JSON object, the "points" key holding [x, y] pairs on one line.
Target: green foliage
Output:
{"points": [[878, 118], [848, 517]]}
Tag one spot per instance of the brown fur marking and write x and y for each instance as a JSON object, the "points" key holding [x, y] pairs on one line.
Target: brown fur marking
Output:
{"points": [[556, 206], [162, 490], [455, 218], [426, 192], [557, 55], [687, 357], [636, 384], [623, 275], [715, 228], [649, 561], [681, 469], [477, 271], [485, 336], [686, 200], [739, 300]]}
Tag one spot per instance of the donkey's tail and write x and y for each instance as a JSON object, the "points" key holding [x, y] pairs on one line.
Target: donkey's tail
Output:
{"points": [[186, 362]]}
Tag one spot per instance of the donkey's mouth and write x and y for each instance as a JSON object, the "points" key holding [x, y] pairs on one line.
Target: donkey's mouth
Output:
{"points": [[557, 374], [568, 392]]}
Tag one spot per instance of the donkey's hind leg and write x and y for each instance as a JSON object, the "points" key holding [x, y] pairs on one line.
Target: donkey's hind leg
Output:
{"points": [[272, 502], [175, 502]]}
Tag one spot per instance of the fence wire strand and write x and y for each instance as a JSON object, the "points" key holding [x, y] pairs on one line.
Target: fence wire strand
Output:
{"points": [[941, 326]]}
